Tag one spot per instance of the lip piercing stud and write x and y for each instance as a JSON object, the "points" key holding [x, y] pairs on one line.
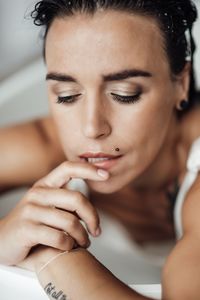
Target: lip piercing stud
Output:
{"points": [[117, 149]]}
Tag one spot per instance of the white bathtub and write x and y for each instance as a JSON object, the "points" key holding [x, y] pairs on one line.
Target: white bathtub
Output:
{"points": [[23, 285], [22, 97]]}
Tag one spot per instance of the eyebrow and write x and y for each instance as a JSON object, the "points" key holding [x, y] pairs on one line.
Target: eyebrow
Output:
{"points": [[122, 75]]}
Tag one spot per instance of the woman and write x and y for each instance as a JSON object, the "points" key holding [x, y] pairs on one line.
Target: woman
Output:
{"points": [[114, 70]]}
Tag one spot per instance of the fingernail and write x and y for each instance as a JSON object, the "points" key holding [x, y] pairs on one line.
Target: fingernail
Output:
{"points": [[102, 173], [98, 231]]}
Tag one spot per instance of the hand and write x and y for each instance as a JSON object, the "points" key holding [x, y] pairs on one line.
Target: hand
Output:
{"points": [[47, 212]]}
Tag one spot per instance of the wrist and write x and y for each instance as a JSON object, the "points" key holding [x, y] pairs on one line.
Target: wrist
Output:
{"points": [[49, 257], [44, 255], [71, 272]]}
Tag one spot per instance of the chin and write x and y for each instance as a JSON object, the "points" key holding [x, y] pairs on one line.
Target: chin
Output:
{"points": [[105, 187]]}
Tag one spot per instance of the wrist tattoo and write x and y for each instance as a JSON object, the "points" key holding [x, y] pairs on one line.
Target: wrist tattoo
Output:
{"points": [[50, 290]]}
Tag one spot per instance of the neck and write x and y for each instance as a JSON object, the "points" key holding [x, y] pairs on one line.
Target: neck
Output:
{"points": [[168, 163]]}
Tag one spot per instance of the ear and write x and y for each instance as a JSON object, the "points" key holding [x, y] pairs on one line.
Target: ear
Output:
{"points": [[182, 83]]}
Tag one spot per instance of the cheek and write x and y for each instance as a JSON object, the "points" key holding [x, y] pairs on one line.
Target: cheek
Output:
{"points": [[146, 121], [146, 128], [66, 124]]}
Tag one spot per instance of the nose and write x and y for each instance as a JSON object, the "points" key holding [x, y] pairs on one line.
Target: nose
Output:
{"points": [[96, 123]]}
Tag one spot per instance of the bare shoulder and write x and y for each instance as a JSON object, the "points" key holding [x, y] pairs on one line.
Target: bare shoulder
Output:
{"points": [[47, 124], [48, 131], [29, 150]]}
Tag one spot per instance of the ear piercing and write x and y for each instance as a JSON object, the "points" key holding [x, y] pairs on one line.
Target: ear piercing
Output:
{"points": [[183, 104]]}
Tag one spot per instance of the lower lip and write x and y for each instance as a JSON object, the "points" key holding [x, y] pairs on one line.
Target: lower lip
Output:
{"points": [[106, 164]]}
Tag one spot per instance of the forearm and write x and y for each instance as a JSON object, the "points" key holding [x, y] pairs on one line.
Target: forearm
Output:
{"points": [[78, 275]]}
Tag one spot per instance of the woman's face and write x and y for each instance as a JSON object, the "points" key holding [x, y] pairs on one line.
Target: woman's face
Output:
{"points": [[116, 65]]}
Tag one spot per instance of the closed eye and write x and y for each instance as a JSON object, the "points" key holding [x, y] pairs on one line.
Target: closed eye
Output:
{"points": [[126, 99], [67, 99], [116, 97]]}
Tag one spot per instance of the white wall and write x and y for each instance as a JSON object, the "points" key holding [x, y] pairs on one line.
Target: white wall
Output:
{"points": [[19, 42]]}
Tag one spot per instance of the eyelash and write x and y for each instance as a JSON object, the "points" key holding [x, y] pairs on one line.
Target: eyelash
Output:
{"points": [[67, 99], [118, 98], [126, 99]]}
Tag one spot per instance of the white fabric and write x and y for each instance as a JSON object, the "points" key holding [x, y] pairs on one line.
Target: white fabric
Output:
{"points": [[193, 167]]}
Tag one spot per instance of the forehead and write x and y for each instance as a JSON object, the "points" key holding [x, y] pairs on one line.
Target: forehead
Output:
{"points": [[105, 40]]}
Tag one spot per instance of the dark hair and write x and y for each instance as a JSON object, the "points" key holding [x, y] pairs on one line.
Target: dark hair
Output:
{"points": [[174, 17]]}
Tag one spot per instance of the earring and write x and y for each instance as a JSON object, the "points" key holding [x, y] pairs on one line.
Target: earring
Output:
{"points": [[183, 104]]}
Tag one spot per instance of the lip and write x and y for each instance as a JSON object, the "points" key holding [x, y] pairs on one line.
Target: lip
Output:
{"points": [[96, 155], [107, 164]]}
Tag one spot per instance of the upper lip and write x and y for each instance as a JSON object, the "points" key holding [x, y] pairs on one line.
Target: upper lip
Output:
{"points": [[99, 154]]}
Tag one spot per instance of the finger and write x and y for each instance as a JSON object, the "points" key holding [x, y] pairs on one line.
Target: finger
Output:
{"points": [[68, 170], [41, 234], [64, 221], [72, 201]]}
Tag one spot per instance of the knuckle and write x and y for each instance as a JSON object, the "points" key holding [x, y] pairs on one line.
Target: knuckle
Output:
{"points": [[72, 224], [79, 198], [33, 193], [27, 211], [65, 224], [38, 182], [60, 239], [84, 240], [70, 243]]}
